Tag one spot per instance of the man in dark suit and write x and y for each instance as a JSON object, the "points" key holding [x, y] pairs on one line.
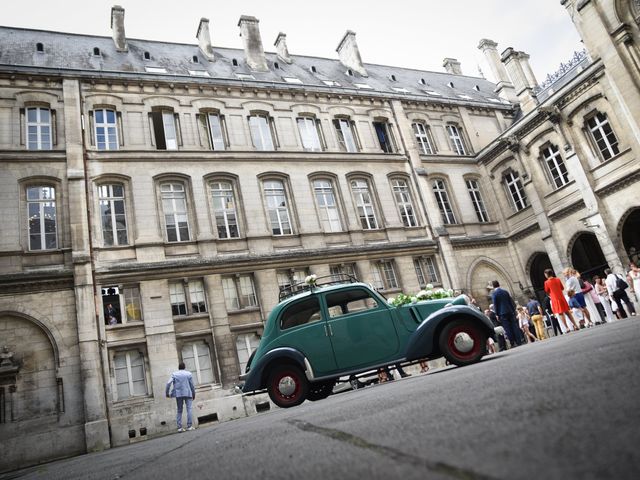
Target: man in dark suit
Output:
{"points": [[506, 312]]}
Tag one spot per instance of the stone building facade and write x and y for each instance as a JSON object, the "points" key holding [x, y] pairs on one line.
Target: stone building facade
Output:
{"points": [[156, 197]]}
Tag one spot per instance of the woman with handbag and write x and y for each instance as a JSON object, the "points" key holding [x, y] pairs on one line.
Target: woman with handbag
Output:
{"points": [[603, 294]]}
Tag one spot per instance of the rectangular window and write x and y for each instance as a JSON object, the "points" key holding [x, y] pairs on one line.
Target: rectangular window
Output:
{"points": [[277, 207], [603, 135], [121, 304], [112, 213], [309, 129], [426, 271], [476, 199], [346, 135], [515, 189], [197, 359], [38, 128], [246, 343], [224, 209], [337, 272], [132, 304], [424, 139], [214, 129], [129, 374], [288, 278], [457, 142], [239, 292], [42, 220], [174, 207], [555, 166], [385, 138], [261, 132], [187, 298], [164, 129], [403, 201], [442, 198], [384, 276], [327, 206], [106, 129], [364, 204]]}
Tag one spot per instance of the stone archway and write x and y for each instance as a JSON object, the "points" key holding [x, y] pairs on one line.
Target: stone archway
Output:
{"points": [[481, 273], [629, 233], [537, 264], [586, 255]]}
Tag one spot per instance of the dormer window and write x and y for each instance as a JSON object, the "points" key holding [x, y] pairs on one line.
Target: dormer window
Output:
{"points": [[350, 72], [96, 51], [195, 59], [422, 81], [234, 62], [313, 69], [276, 65], [292, 80], [39, 47], [476, 88], [450, 85], [147, 56], [393, 78]]}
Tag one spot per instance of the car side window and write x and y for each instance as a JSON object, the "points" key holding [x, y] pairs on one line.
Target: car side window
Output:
{"points": [[300, 313], [349, 301]]}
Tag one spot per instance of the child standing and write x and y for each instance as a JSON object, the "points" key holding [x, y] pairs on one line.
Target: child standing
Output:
{"points": [[524, 322]]}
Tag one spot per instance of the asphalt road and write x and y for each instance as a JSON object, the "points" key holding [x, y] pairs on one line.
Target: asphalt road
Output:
{"points": [[565, 408]]}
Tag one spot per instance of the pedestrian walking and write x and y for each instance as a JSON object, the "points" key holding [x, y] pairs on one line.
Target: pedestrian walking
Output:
{"points": [[573, 282], [506, 312], [536, 314], [617, 287], [634, 277], [603, 295], [499, 329], [180, 386], [559, 306], [591, 297]]}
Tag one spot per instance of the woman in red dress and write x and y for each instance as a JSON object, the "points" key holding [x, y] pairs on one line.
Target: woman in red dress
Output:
{"points": [[559, 306]]}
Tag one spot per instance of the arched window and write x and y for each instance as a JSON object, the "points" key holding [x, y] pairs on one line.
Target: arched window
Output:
{"points": [[277, 207], [457, 139], [402, 195], [105, 124], [515, 190], [96, 51], [113, 217], [224, 208], [364, 203], [603, 135], [325, 196], [39, 128], [556, 169], [473, 188], [174, 208], [42, 217], [424, 138], [442, 198]]}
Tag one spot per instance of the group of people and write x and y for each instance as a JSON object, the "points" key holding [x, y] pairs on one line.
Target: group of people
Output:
{"points": [[570, 305]]}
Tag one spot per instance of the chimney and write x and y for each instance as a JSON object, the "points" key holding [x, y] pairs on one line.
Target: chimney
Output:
{"points": [[517, 66], [204, 39], [504, 88], [452, 65], [281, 48], [117, 25], [253, 50], [349, 54]]}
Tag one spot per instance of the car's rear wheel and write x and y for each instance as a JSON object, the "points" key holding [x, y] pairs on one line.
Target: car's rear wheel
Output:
{"points": [[287, 386], [463, 342], [320, 390]]}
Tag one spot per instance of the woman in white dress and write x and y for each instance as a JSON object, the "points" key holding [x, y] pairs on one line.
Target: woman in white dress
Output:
{"points": [[603, 293], [634, 275]]}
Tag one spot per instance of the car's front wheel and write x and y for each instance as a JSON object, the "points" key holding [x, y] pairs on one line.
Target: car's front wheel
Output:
{"points": [[287, 386], [463, 342]]}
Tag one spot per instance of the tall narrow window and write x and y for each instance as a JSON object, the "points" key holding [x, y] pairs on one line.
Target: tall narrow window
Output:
{"points": [[187, 298], [555, 166], [385, 138], [197, 359], [384, 275], [174, 206], [277, 207], [476, 199], [224, 209], [426, 271], [290, 280], [239, 292], [113, 216], [327, 207], [309, 129], [603, 135], [346, 136], [121, 304], [214, 129], [456, 139], [424, 138], [403, 201], [246, 343], [515, 189], [442, 198], [164, 129], [261, 132], [338, 271], [38, 128], [106, 129], [42, 219], [364, 204], [129, 374]]}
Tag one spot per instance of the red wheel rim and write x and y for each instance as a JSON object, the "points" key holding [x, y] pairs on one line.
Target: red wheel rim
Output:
{"points": [[454, 347], [286, 386]]}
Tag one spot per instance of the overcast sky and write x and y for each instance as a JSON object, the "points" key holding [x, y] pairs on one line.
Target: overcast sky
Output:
{"points": [[405, 33]]}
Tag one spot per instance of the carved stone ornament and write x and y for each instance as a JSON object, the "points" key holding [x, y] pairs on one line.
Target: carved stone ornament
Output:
{"points": [[552, 113], [512, 143], [8, 365]]}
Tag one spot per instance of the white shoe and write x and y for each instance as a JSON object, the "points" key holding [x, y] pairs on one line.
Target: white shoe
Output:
{"points": [[180, 430], [191, 428]]}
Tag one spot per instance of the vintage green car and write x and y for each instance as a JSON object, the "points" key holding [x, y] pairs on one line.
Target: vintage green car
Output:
{"points": [[324, 332]]}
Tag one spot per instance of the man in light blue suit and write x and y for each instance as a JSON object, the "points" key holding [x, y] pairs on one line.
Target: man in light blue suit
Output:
{"points": [[184, 393]]}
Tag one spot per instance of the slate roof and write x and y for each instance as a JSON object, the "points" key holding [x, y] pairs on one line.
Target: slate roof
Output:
{"points": [[74, 53]]}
